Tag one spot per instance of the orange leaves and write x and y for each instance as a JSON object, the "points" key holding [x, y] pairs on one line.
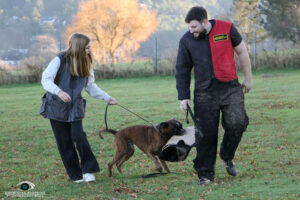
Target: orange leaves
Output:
{"points": [[41, 52], [115, 27], [44, 45]]}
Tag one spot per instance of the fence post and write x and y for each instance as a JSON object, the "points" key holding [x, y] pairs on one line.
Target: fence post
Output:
{"points": [[155, 55], [254, 49], [60, 44]]}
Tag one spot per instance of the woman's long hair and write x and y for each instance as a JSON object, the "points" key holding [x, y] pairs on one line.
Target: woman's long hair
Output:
{"points": [[81, 62]]}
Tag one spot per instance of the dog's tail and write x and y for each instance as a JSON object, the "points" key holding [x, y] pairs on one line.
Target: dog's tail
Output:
{"points": [[106, 130]]}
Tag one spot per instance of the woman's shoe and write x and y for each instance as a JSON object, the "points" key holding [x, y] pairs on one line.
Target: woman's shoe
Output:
{"points": [[88, 177], [79, 181]]}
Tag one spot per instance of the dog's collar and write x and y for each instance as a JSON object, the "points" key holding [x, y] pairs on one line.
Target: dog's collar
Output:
{"points": [[160, 133]]}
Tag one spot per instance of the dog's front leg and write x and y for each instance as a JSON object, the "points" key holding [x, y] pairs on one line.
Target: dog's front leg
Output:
{"points": [[165, 166], [155, 160]]}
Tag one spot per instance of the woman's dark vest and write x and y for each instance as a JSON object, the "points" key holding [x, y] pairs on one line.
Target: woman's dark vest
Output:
{"points": [[53, 107]]}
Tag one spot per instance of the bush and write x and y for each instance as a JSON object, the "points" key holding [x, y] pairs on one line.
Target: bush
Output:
{"points": [[30, 74], [32, 71], [278, 59], [139, 69]]}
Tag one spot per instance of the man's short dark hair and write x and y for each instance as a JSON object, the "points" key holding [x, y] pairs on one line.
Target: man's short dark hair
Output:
{"points": [[196, 13]]}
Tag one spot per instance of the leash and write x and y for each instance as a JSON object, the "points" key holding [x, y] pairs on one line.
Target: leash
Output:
{"points": [[189, 111], [137, 115], [156, 174], [105, 116]]}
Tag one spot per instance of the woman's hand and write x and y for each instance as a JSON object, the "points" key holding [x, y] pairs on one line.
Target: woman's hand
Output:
{"points": [[112, 101], [64, 96]]}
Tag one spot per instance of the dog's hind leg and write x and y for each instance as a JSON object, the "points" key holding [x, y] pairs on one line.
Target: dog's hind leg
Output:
{"points": [[128, 154], [121, 148], [165, 166], [155, 160], [116, 159]]}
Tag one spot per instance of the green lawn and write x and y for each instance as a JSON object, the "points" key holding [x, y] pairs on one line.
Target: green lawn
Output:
{"points": [[268, 158]]}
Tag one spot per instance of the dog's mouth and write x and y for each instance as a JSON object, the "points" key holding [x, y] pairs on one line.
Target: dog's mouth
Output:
{"points": [[180, 132]]}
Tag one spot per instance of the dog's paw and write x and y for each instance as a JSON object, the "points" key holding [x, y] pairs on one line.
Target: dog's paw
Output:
{"points": [[159, 169]]}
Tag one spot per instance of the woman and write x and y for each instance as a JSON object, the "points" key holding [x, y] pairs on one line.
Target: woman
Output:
{"points": [[64, 78]]}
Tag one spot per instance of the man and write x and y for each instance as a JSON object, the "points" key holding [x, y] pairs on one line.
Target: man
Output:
{"points": [[209, 47]]}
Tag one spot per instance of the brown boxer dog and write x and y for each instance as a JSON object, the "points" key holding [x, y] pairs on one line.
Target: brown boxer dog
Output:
{"points": [[149, 139]]}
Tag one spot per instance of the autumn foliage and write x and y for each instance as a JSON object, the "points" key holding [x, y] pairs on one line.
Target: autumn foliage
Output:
{"points": [[42, 51], [44, 45], [115, 27]]}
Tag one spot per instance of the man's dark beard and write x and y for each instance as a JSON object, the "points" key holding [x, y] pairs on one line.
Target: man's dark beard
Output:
{"points": [[201, 35]]}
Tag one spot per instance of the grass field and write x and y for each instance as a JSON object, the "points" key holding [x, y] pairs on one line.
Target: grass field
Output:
{"points": [[268, 158]]}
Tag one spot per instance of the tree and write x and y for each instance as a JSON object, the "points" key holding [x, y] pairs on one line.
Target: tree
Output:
{"points": [[171, 15], [247, 18], [45, 46], [42, 51], [61, 14], [172, 12], [282, 19], [115, 27], [20, 20]]}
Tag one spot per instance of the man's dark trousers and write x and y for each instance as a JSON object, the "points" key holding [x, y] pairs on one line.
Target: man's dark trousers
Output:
{"points": [[67, 134], [228, 98]]}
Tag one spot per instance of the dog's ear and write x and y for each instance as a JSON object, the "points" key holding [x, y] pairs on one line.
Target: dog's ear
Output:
{"points": [[163, 125]]}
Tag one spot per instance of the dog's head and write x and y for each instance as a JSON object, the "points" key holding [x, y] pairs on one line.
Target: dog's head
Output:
{"points": [[171, 128]]}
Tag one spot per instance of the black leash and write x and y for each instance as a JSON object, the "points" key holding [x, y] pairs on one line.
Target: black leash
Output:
{"points": [[137, 115], [156, 174], [189, 111], [105, 116]]}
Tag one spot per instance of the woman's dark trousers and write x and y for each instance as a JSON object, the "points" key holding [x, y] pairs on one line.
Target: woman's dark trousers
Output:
{"points": [[67, 135]]}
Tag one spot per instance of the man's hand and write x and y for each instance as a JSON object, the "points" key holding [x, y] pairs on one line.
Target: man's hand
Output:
{"points": [[245, 64], [183, 104], [247, 85], [112, 101], [64, 96]]}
